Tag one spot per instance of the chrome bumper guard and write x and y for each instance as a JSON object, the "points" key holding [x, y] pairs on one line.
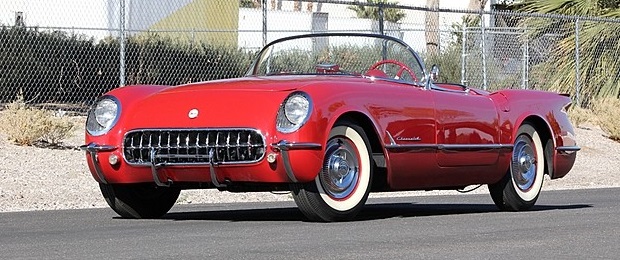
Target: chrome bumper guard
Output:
{"points": [[92, 149], [567, 149], [285, 146]]}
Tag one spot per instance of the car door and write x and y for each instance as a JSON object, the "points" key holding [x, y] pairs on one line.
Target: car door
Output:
{"points": [[407, 118], [467, 128]]}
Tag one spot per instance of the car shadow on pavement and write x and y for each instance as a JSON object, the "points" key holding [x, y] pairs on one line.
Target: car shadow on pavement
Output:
{"points": [[370, 212], [406, 210]]}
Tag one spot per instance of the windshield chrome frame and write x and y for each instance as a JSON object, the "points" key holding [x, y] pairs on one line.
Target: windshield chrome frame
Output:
{"points": [[425, 80]]}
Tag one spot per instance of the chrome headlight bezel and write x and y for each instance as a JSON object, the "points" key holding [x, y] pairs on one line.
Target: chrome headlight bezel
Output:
{"points": [[103, 116], [294, 112]]}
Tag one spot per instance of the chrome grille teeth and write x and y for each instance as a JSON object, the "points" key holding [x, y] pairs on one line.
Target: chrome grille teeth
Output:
{"points": [[191, 146]]}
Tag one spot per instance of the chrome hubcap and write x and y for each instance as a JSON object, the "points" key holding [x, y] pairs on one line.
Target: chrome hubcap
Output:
{"points": [[340, 173], [524, 164]]}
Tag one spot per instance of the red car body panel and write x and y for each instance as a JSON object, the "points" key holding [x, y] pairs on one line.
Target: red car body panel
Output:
{"points": [[421, 134], [401, 114]]}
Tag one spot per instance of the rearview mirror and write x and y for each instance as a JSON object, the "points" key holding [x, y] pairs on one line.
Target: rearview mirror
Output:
{"points": [[435, 73]]}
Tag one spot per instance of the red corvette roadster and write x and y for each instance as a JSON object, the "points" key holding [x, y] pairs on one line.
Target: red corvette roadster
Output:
{"points": [[330, 118]]}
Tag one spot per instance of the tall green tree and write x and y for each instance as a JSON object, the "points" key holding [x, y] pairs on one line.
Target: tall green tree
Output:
{"points": [[372, 12], [599, 46]]}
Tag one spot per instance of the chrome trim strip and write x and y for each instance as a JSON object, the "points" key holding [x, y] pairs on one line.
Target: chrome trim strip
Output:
{"points": [[567, 149], [264, 146], [412, 147], [448, 147], [389, 135], [92, 149], [459, 147], [284, 146]]}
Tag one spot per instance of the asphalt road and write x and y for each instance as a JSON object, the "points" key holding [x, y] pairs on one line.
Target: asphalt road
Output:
{"points": [[575, 224]]}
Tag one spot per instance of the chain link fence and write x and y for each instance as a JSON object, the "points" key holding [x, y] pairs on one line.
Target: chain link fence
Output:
{"points": [[65, 53]]}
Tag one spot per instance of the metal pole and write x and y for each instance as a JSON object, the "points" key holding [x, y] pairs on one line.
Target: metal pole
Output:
{"points": [[577, 98], [524, 83], [122, 44], [463, 55], [264, 22], [484, 58], [381, 14]]}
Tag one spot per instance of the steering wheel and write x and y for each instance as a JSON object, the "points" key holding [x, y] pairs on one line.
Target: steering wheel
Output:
{"points": [[400, 71]]}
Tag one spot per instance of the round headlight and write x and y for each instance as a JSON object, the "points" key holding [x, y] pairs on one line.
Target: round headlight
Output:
{"points": [[294, 112], [105, 112], [103, 116], [296, 109]]}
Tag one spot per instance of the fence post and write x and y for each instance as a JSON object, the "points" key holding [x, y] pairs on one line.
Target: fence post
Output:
{"points": [[526, 58], [577, 98], [381, 14], [264, 5], [122, 46], [484, 58], [463, 55]]}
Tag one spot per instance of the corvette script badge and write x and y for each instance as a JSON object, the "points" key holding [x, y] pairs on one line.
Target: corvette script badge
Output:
{"points": [[193, 113]]}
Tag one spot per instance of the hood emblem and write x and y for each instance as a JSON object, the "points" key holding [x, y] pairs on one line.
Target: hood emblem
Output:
{"points": [[193, 113]]}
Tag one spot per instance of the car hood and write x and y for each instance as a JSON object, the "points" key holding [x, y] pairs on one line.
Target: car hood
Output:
{"points": [[253, 84], [221, 103]]}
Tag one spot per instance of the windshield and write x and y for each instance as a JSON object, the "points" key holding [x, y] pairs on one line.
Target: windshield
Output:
{"points": [[340, 54]]}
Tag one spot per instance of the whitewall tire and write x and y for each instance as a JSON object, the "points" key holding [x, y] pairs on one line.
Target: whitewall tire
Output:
{"points": [[521, 186], [341, 189]]}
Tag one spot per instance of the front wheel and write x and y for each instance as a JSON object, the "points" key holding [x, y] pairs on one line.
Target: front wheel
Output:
{"points": [[341, 189], [139, 200], [521, 186]]}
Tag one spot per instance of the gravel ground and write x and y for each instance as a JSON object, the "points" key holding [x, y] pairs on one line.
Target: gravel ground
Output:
{"points": [[33, 178]]}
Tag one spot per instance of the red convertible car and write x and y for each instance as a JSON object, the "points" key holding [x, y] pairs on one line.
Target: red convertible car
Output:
{"points": [[330, 118]]}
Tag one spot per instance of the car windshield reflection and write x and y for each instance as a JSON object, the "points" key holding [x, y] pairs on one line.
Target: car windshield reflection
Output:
{"points": [[340, 54]]}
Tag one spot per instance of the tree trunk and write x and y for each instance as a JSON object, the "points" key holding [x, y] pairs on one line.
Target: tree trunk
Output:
{"points": [[476, 5], [297, 6], [432, 28]]}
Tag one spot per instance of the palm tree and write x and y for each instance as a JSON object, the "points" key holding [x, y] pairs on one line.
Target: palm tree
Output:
{"points": [[372, 12], [599, 47]]}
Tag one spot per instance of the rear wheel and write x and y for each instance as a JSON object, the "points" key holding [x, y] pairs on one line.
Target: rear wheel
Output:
{"points": [[341, 189], [139, 200], [521, 186]]}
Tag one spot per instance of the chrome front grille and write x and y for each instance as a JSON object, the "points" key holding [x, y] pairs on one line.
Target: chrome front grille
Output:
{"points": [[193, 146]]}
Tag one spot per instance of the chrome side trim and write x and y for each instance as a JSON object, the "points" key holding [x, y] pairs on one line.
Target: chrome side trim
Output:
{"points": [[284, 146], [412, 147], [567, 149], [449, 147], [92, 149], [460, 147]]}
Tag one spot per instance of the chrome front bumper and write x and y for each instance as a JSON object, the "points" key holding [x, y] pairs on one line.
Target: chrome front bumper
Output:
{"points": [[92, 149], [285, 146], [282, 147]]}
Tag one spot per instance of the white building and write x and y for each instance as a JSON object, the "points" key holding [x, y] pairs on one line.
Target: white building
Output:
{"points": [[100, 18]]}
